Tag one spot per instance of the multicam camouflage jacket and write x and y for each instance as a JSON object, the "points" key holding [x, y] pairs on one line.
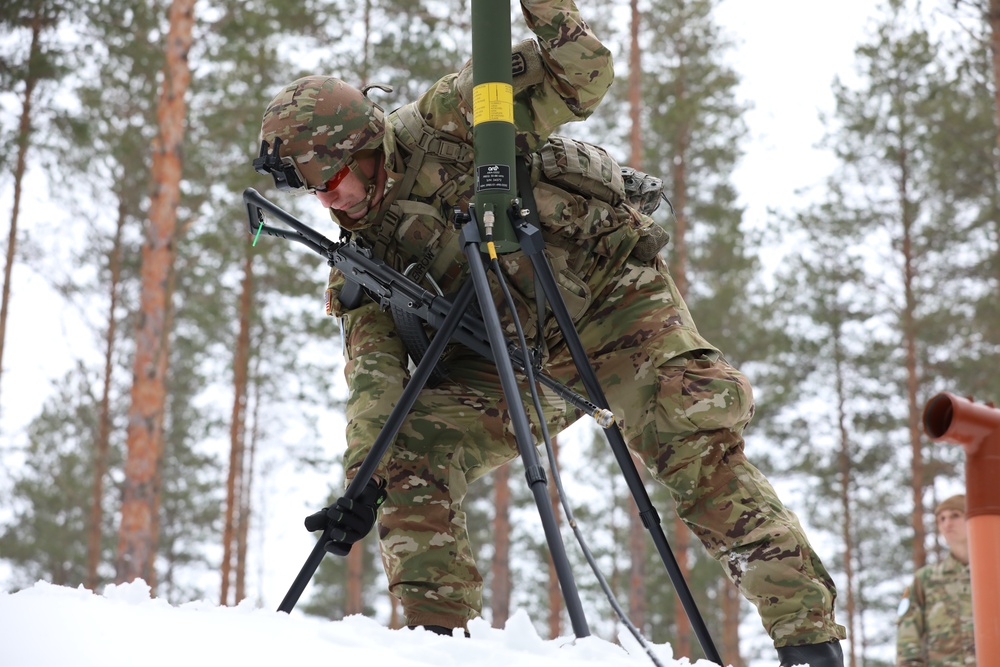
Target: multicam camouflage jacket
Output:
{"points": [[935, 618], [589, 233]]}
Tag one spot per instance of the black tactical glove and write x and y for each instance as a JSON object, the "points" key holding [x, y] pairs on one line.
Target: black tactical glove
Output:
{"points": [[347, 521]]}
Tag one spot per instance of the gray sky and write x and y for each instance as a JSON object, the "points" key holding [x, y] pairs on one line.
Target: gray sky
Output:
{"points": [[788, 53]]}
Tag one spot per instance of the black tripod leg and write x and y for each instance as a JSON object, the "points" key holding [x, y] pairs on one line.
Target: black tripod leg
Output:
{"points": [[388, 433], [530, 238], [534, 472]]}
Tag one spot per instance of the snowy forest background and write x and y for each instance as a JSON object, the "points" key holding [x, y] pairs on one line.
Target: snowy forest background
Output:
{"points": [[209, 381]]}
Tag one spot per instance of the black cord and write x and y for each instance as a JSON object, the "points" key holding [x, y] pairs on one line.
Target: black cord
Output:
{"points": [[554, 470]]}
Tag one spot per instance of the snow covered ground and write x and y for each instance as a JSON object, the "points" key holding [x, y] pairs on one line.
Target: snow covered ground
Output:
{"points": [[55, 626]]}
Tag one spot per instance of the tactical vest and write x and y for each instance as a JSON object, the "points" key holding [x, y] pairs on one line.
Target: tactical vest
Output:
{"points": [[582, 205], [413, 230], [578, 187]]}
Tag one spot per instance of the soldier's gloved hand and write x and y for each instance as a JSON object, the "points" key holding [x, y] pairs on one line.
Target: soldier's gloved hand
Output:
{"points": [[347, 521]]}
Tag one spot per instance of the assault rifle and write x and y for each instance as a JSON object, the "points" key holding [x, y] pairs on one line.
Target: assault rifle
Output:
{"points": [[408, 300]]}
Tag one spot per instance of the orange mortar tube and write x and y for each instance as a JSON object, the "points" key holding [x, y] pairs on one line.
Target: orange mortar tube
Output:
{"points": [[976, 427]]}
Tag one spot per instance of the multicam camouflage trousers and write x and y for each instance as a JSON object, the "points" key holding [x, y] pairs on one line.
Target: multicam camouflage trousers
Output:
{"points": [[682, 409]]}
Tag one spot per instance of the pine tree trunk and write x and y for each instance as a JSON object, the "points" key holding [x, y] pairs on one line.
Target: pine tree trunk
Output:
{"points": [[682, 537], [353, 603], [500, 592], [994, 19], [861, 637], [845, 491], [366, 45], [394, 615], [137, 540], [910, 347], [678, 267], [23, 141], [635, 91], [636, 531], [637, 550], [730, 597], [164, 364], [237, 427], [682, 544], [103, 444], [243, 531], [637, 542]]}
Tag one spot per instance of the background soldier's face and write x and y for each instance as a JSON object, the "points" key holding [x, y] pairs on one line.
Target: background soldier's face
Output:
{"points": [[951, 525]]}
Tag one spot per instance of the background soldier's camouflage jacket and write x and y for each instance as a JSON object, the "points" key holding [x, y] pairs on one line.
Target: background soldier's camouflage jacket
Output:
{"points": [[935, 618], [681, 407]]}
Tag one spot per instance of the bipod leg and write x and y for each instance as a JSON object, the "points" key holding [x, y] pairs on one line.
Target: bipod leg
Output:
{"points": [[534, 472], [530, 238], [387, 435]]}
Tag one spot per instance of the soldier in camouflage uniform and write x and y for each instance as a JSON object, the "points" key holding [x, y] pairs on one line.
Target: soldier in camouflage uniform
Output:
{"points": [[935, 616], [392, 181]]}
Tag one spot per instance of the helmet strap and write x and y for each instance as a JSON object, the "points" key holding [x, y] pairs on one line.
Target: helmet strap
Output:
{"points": [[359, 207], [356, 169], [343, 217], [369, 184]]}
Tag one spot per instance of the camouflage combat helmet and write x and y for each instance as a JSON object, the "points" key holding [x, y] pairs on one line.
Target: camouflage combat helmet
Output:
{"points": [[312, 129]]}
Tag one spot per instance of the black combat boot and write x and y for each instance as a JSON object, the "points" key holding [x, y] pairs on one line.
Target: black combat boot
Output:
{"points": [[828, 654], [437, 629]]}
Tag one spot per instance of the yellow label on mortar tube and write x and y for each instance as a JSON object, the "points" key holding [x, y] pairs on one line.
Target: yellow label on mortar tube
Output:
{"points": [[492, 102]]}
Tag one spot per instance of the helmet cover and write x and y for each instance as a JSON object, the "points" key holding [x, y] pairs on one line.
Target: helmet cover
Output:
{"points": [[321, 122]]}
